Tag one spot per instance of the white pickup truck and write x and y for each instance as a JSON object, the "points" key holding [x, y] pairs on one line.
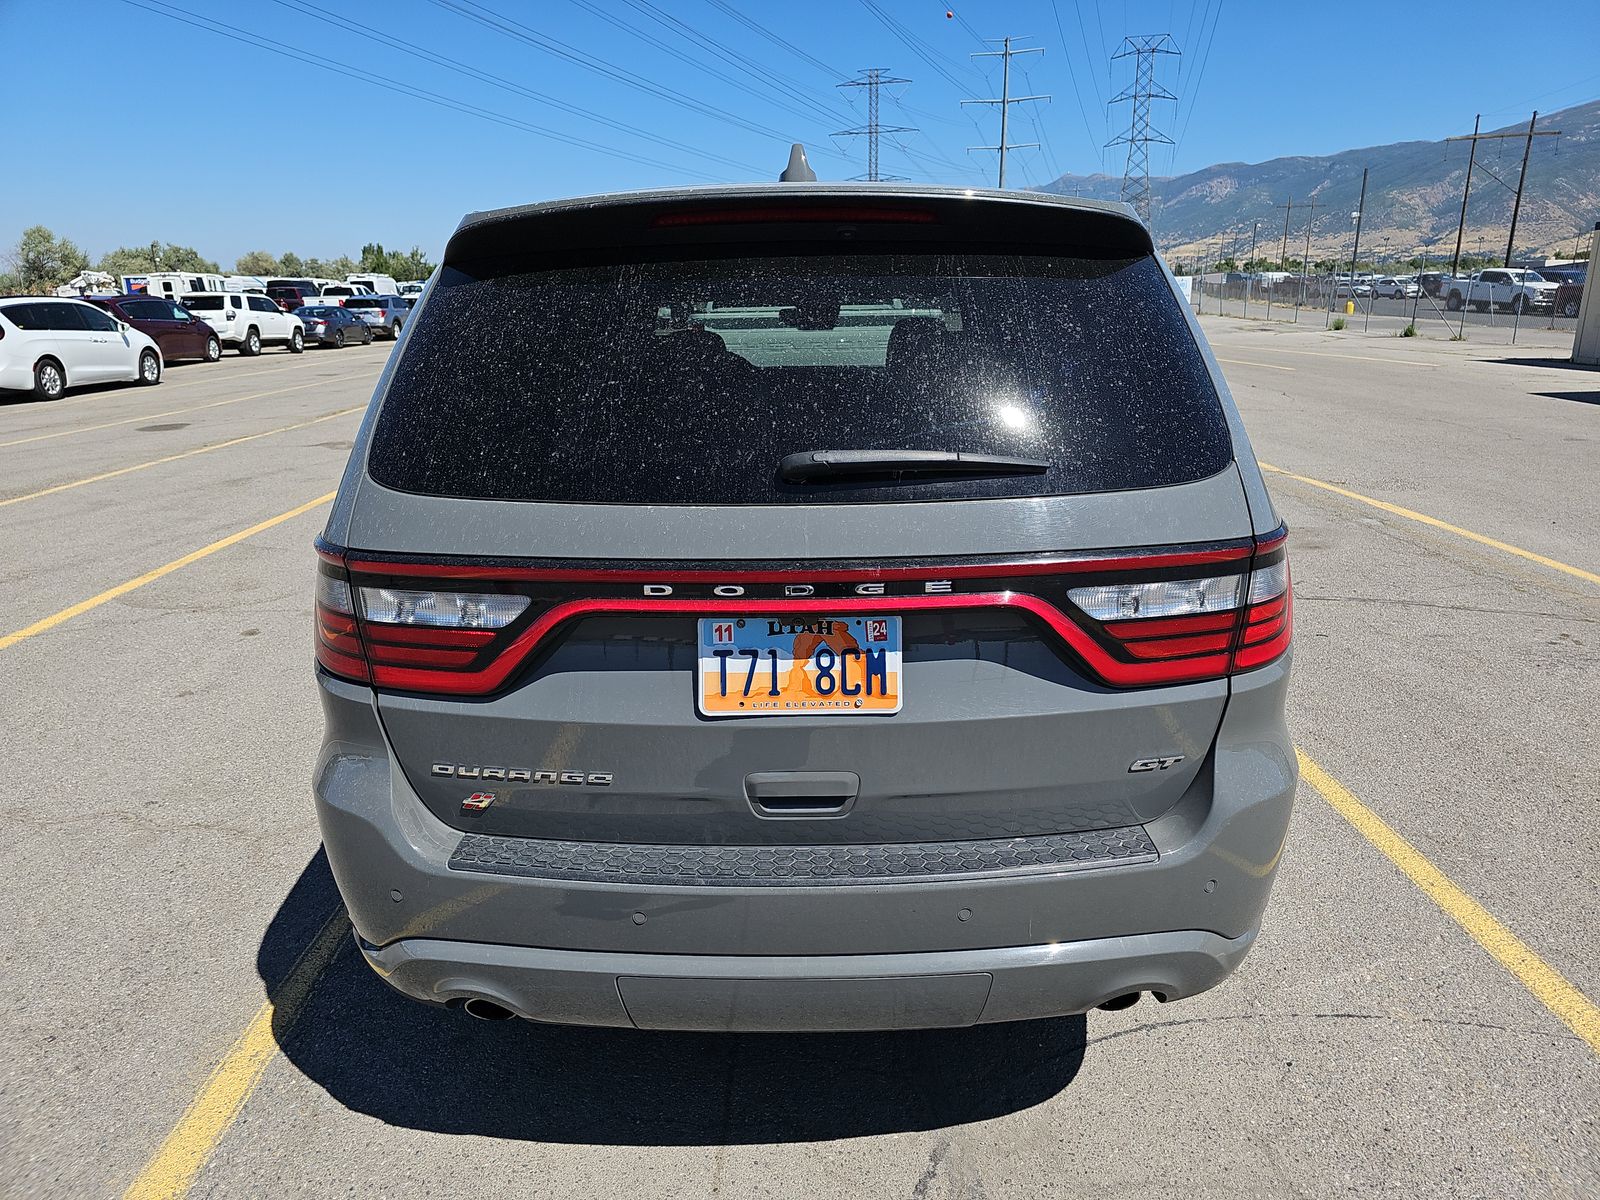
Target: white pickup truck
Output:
{"points": [[1508, 289]]}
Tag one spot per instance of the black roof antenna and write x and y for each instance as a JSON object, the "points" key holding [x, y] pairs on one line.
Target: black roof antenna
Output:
{"points": [[798, 170]]}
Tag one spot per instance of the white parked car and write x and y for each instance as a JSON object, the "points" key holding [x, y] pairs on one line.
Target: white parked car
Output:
{"points": [[1393, 288], [48, 345], [247, 321]]}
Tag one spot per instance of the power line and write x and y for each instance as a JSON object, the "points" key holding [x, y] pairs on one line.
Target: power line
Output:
{"points": [[1073, 74], [311, 10], [1205, 57], [874, 80], [778, 40], [556, 48], [916, 45], [791, 90], [1145, 48], [340, 68], [1475, 137], [1005, 100]]}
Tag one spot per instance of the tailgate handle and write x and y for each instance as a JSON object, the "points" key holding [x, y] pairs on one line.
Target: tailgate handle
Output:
{"points": [[802, 793]]}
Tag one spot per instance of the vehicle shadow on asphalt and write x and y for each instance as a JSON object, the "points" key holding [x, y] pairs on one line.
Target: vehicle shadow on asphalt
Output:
{"points": [[434, 1069]]}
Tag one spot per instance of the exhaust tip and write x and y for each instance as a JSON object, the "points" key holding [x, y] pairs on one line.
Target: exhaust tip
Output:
{"points": [[487, 1010], [1116, 1003]]}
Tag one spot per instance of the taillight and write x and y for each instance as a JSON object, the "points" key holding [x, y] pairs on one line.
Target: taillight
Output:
{"points": [[338, 639], [1201, 627], [1137, 618], [413, 638]]}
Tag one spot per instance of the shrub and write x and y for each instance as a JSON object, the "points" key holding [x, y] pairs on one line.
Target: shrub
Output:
{"points": [[1409, 331], [1338, 323]]}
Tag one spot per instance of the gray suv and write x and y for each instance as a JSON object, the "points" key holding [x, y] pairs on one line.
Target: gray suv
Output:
{"points": [[803, 607]]}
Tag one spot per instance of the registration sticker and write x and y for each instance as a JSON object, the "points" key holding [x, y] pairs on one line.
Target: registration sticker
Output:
{"points": [[789, 666]]}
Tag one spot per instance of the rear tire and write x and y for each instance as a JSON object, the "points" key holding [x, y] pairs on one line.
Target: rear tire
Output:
{"points": [[1570, 308], [398, 326], [297, 342], [1454, 302], [251, 346], [213, 350], [149, 369], [49, 380]]}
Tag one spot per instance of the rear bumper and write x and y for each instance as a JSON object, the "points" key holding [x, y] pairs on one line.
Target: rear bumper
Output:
{"points": [[809, 994], [977, 944]]}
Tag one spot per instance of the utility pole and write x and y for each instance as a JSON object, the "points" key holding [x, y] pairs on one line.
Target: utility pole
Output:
{"points": [[1475, 137], [1288, 211], [1516, 207], [1144, 88], [1253, 232], [1005, 100], [1355, 249], [1305, 263], [875, 79]]}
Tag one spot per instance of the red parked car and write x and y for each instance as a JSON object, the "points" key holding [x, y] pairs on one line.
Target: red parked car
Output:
{"points": [[178, 332]]}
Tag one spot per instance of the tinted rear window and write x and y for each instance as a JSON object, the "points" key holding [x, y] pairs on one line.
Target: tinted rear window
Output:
{"points": [[687, 382], [202, 303], [363, 302]]}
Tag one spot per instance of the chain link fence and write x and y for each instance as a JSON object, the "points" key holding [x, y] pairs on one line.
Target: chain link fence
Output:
{"points": [[1333, 301]]}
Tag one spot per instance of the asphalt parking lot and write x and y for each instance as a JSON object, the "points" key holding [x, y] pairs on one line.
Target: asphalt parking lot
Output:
{"points": [[182, 1012]]}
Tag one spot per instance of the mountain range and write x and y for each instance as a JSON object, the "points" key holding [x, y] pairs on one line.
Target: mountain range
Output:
{"points": [[1413, 197]]}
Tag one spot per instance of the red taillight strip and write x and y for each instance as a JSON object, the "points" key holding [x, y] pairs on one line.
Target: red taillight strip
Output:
{"points": [[998, 570], [494, 674], [1129, 631]]}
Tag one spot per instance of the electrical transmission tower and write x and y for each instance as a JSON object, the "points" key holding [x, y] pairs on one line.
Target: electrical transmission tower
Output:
{"points": [[872, 130], [1005, 100], [1144, 88]]}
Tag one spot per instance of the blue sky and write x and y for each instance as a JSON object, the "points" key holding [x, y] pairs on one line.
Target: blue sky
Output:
{"points": [[128, 125]]}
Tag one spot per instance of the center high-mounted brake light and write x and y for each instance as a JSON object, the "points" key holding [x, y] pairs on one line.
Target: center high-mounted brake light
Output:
{"points": [[795, 213], [1135, 619]]}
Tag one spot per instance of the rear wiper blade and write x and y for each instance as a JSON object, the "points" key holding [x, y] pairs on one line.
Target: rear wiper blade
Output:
{"points": [[811, 466]]}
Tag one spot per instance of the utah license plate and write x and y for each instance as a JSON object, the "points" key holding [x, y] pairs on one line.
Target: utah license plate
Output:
{"points": [[785, 667]]}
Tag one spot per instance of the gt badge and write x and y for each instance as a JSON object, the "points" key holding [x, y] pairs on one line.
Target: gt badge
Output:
{"points": [[1155, 764]]}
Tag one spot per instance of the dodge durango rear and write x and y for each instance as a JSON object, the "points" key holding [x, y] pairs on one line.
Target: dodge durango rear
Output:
{"points": [[803, 607]]}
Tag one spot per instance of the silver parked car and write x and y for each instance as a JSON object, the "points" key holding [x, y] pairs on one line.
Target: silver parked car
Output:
{"points": [[771, 621], [384, 314]]}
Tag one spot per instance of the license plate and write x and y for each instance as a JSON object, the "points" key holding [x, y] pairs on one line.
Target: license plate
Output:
{"points": [[786, 667]]}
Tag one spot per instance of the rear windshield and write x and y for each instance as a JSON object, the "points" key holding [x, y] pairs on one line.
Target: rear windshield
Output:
{"points": [[363, 302], [688, 382], [318, 310], [202, 303]]}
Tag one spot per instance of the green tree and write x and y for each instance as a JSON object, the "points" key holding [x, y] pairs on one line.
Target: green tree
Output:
{"points": [[411, 265], [290, 264], [140, 260], [332, 268], [42, 261], [374, 259], [256, 262]]}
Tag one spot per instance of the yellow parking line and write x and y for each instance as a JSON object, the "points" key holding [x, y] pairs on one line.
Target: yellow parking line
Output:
{"points": [[171, 1172], [1548, 985], [122, 589], [1553, 563], [172, 412], [156, 462], [1244, 362], [166, 386]]}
